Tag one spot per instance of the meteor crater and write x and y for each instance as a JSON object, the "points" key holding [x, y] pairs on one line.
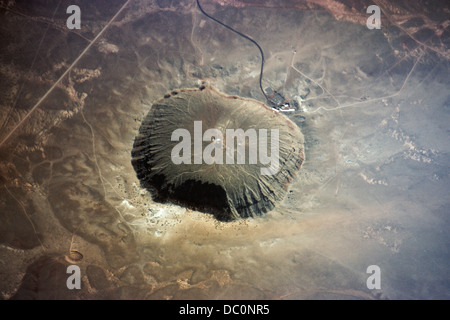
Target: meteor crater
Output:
{"points": [[229, 156]]}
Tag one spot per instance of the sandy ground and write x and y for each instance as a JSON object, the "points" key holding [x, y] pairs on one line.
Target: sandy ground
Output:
{"points": [[374, 110]]}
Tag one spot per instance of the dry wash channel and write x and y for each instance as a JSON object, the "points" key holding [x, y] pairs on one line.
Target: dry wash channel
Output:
{"points": [[228, 191]]}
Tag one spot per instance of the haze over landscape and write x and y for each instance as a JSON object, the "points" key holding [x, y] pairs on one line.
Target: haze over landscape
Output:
{"points": [[372, 106]]}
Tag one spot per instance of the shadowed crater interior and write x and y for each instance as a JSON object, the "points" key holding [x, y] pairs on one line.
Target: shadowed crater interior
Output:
{"points": [[229, 190]]}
